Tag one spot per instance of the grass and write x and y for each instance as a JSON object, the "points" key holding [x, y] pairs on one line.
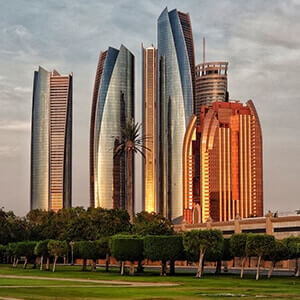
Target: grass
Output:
{"points": [[208, 287]]}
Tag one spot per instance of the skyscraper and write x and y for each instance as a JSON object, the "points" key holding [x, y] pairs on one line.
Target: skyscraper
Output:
{"points": [[51, 141], [112, 108], [223, 174], [149, 96], [176, 88], [211, 84]]}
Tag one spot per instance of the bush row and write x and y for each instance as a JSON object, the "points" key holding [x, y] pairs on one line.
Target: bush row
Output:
{"points": [[193, 246]]}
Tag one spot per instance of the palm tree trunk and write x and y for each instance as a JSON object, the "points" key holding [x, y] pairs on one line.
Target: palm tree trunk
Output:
{"points": [[84, 264], [94, 265], [54, 264], [48, 264], [25, 263], [258, 266], [273, 263], [42, 258], [122, 267], [129, 181], [107, 262], [242, 267], [172, 267], [163, 271], [131, 272], [297, 273], [218, 267], [200, 266]]}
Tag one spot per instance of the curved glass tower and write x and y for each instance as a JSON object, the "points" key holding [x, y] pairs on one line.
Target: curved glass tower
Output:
{"points": [[51, 141], [112, 107], [176, 88]]}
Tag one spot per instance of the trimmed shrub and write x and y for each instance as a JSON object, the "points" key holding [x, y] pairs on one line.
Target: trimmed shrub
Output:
{"points": [[57, 249], [259, 246], [238, 242], [25, 249], [163, 248], [198, 244], [41, 250], [127, 248]]}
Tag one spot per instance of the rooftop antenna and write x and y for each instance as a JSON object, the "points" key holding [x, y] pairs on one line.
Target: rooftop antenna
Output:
{"points": [[203, 50]]}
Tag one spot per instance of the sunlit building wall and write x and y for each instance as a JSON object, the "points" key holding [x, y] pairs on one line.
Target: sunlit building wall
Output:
{"points": [[210, 84], [176, 66], [51, 141], [223, 164], [112, 108], [149, 97]]}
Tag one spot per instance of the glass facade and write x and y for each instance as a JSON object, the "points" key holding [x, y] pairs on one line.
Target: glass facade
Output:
{"points": [[227, 153], [149, 96], [51, 141], [175, 105], [113, 108]]}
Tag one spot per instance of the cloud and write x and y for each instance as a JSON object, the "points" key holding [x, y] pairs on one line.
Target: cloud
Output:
{"points": [[23, 89], [8, 151], [14, 125], [261, 42]]}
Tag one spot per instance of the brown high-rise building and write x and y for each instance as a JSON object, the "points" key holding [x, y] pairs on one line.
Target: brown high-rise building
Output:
{"points": [[149, 96], [210, 84], [222, 156], [51, 141]]}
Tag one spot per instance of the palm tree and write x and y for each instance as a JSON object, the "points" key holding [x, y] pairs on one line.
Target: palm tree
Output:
{"points": [[130, 142]]}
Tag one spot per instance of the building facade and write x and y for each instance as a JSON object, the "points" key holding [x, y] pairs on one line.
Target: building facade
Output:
{"points": [[51, 141], [176, 67], [223, 169], [112, 108], [210, 84], [150, 133]]}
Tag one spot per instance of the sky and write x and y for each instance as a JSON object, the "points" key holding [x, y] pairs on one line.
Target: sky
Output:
{"points": [[259, 39]]}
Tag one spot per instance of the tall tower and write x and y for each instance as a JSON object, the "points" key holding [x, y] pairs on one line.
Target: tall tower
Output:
{"points": [[112, 108], [226, 151], [51, 141], [149, 96], [211, 84], [176, 85]]}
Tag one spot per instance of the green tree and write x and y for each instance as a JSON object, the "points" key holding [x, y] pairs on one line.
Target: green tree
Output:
{"points": [[104, 250], [12, 228], [26, 249], [259, 246], [130, 143], [151, 224], [277, 253], [12, 254], [57, 249], [238, 242], [292, 244], [127, 248], [197, 243], [2, 253], [41, 250], [90, 250], [163, 248], [40, 225], [108, 222]]}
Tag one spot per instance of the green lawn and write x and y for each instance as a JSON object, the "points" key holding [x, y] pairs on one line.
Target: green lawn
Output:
{"points": [[208, 287]]}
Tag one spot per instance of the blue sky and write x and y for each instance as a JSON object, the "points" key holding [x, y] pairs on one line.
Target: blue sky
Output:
{"points": [[259, 39]]}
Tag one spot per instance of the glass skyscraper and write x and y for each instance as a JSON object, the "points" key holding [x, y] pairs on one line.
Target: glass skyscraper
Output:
{"points": [[176, 89], [51, 141], [112, 108]]}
